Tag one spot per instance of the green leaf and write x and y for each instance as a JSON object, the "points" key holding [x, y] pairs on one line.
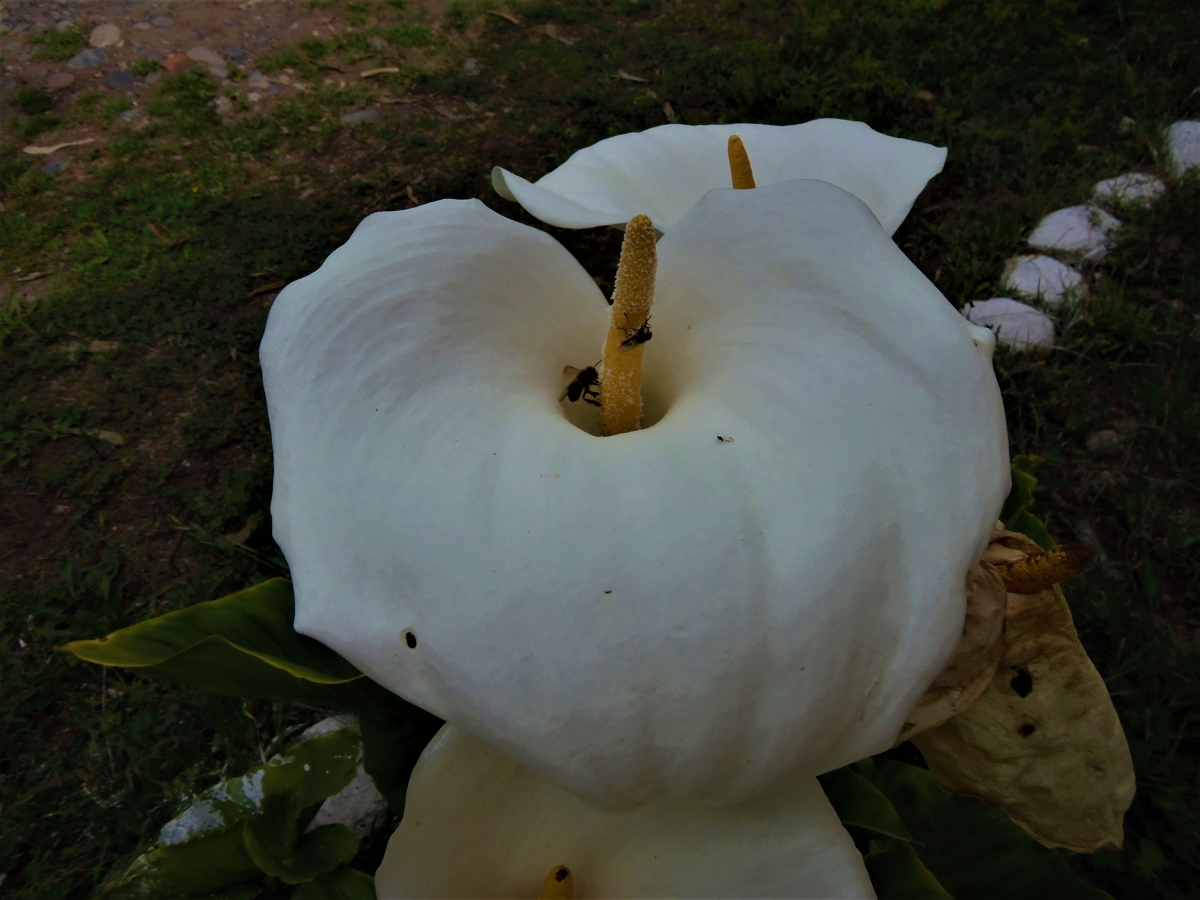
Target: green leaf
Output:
{"points": [[306, 774], [975, 851], [1030, 526], [341, 884], [317, 852], [897, 873], [1015, 513], [391, 746], [859, 804], [210, 864], [243, 645]]}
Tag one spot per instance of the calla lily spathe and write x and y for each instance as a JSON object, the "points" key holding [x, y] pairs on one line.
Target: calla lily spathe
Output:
{"points": [[476, 824], [655, 614], [663, 172]]}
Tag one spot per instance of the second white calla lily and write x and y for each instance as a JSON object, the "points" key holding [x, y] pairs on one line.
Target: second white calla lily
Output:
{"points": [[476, 824], [656, 614], [663, 172]]}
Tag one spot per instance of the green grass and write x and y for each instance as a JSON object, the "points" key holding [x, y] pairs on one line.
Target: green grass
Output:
{"points": [[1028, 95], [59, 46]]}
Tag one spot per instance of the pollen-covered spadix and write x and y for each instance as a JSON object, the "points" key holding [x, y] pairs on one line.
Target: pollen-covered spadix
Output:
{"points": [[476, 824], [657, 614], [664, 171]]}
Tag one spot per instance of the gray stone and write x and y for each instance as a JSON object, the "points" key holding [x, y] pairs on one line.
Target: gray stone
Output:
{"points": [[1183, 146], [64, 25], [1133, 189], [1014, 323], [470, 66], [257, 80], [55, 166], [224, 106], [106, 35], [1032, 277], [206, 56], [162, 21], [1087, 230], [87, 59], [219, 71], [237, 54], [154, 77], [57, 81], [363, 115], [120, 80], [142, 26], [378, 43]]}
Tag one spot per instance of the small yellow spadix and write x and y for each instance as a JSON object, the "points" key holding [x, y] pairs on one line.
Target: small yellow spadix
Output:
{"points": [[621, 378], [739, 164], [559, 885]]}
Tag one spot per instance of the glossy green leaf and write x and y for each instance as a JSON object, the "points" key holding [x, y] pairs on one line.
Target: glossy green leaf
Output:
{"points": [[1015, 513], [243, 645], [897, 873], [341, 884], [246, 892], [1032, 527], [315, 853], [307, 773], [391, 747], [976, 852], [211, 864], [859, 804]]}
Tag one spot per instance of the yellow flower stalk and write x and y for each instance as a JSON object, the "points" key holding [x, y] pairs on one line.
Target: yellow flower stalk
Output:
{"points": [[739, 164], [621, 385]]}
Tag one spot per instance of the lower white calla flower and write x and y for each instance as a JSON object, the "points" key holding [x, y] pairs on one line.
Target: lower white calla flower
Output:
{"points": [[656, 614], [663, 172], [476, 824]]}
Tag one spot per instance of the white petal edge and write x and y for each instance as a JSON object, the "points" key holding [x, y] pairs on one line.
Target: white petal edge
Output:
{"points": [[655, 614], [476, 824], [664, 171]]}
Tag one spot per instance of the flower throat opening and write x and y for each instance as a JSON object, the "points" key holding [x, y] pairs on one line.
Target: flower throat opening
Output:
{"points": [[615, 384]]}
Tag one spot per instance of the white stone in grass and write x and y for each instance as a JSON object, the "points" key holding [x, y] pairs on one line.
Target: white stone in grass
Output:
{"points": [[106, 35], [1016, 324], [1054, 282], [1076, 229], [359, 805], [1183, 146], [1132, 189]]}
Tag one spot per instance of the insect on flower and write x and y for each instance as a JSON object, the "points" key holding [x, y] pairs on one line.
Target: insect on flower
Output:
{"points": [[637, 336], [583, 385]]}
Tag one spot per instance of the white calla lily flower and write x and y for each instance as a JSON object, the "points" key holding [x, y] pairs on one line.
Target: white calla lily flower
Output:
{"points": [[477, 824], [655, 614], [663, 172]]}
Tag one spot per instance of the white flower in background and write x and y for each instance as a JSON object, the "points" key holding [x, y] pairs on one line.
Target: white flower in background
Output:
{"points": [[663, 172], [478, 825], [658, 614]]}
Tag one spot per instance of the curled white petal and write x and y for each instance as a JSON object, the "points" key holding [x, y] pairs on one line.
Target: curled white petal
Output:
{"points": [[664, 171], [476, 824], [655, 614]]}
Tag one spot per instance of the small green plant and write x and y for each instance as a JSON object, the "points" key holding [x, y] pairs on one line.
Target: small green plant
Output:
{"points": [[356, 13], [35, 125], [409, 36], [143, 66], [114, 106], [88, 101], [288, 58], [58, 46], [315, 48], [32, 101]]}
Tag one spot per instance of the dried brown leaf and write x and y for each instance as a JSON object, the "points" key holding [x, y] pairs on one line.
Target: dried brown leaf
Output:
{"points": [[970, 670], [1043, 742]]}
